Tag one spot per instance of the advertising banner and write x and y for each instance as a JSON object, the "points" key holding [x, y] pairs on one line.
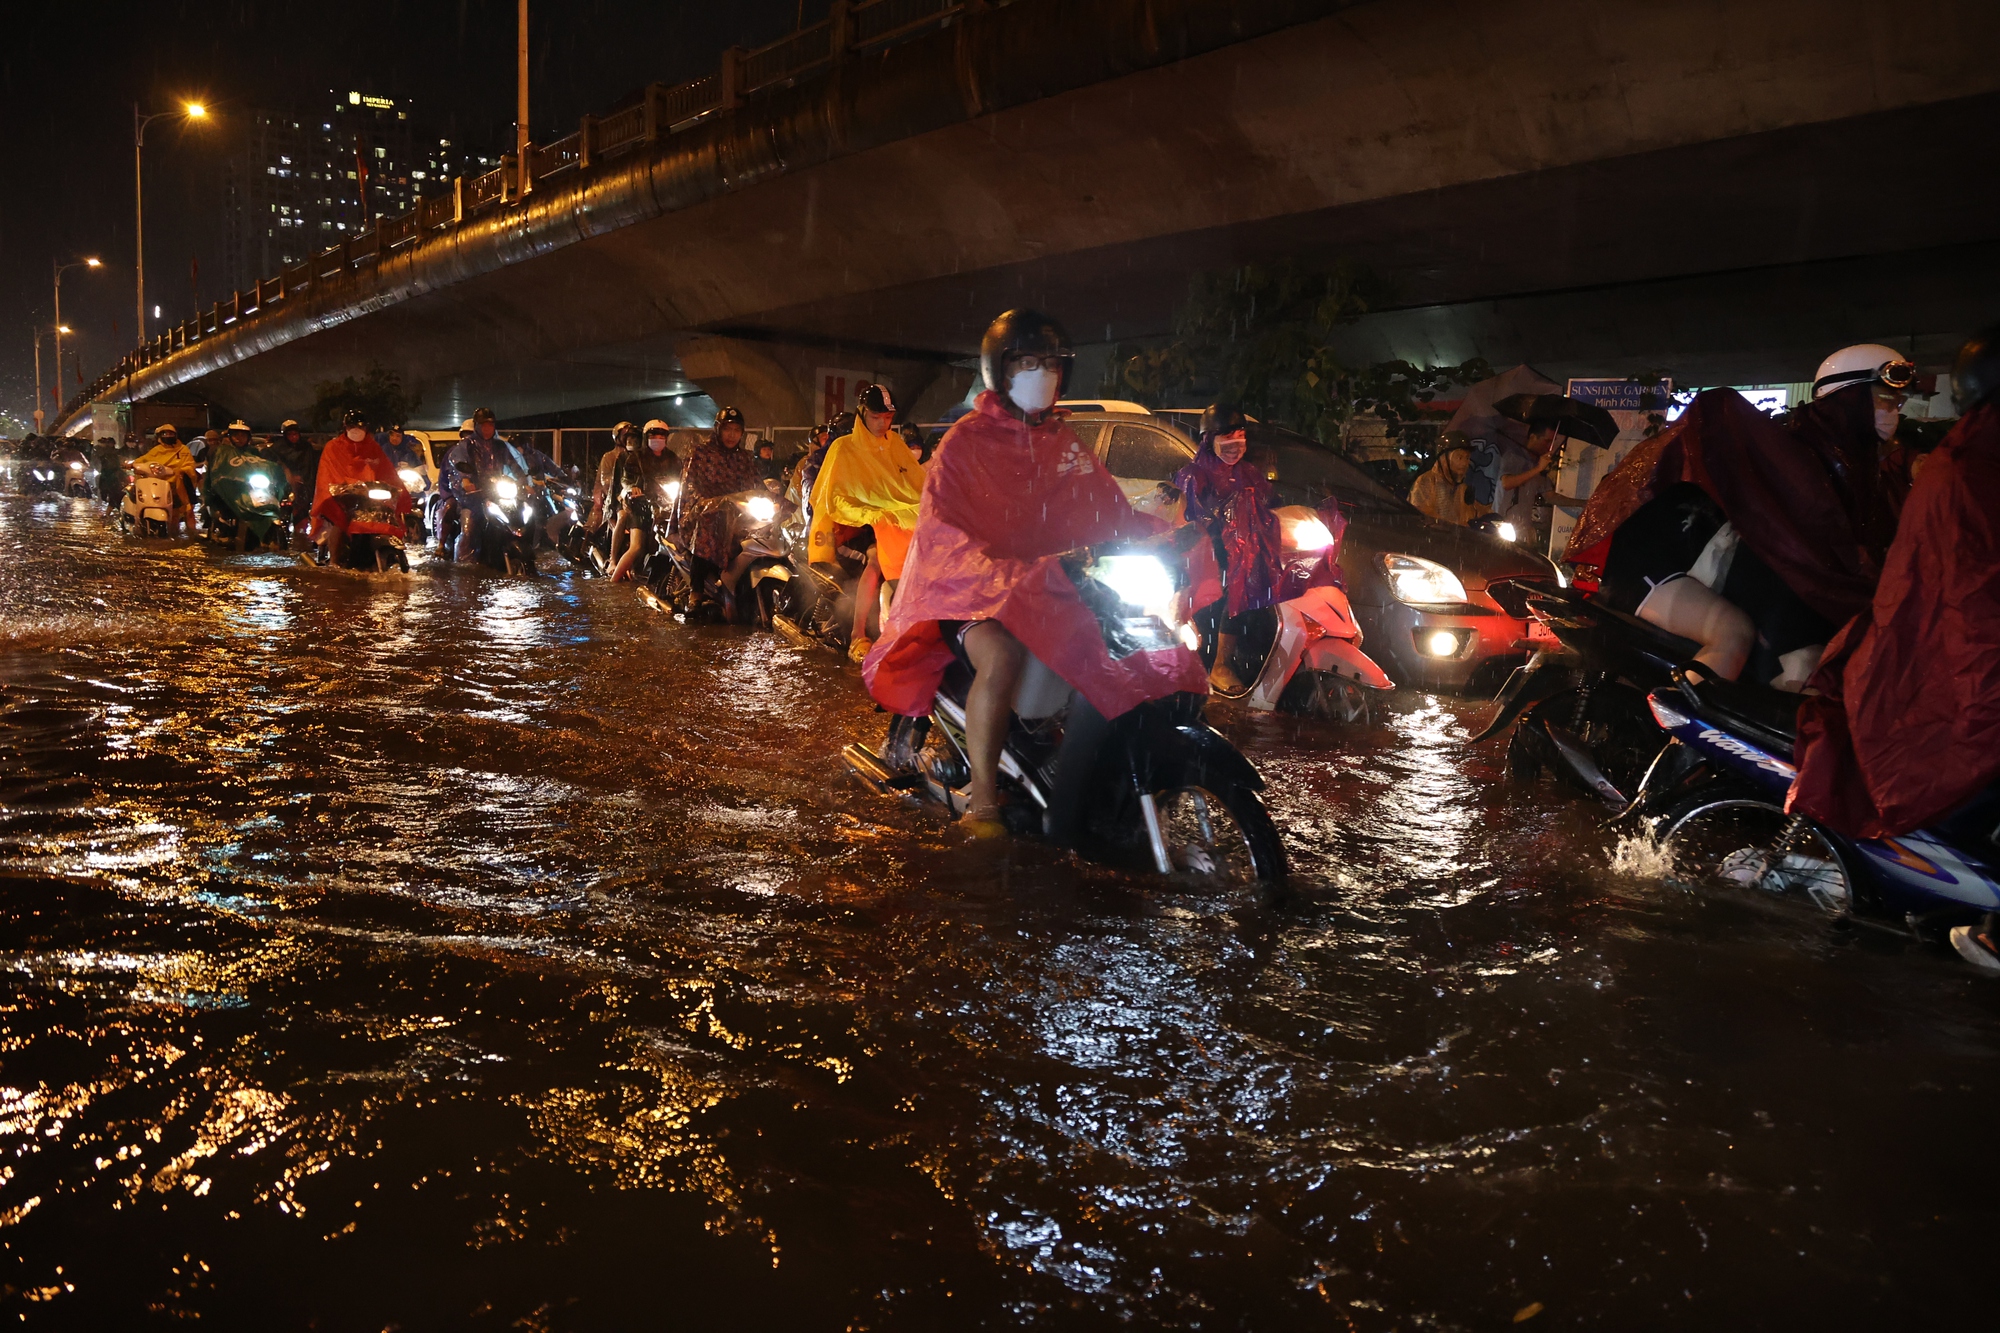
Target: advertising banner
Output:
{"points": [[1634, 405]]}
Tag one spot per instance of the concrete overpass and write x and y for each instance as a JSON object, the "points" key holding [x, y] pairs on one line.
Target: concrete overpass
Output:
{"points": [[1723, 190]]}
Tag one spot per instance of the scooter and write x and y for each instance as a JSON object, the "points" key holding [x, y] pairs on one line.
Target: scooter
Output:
{"points": [[1304, 654], [1156, 786], [671, 571], [149, 501], [511, 514], [245, 503], [417, 525], [1581, 699], [73, 470], [375, 530], [1715, 799], [39, 476]]}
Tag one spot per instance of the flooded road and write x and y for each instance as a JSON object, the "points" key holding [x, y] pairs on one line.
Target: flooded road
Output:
{"points": [[454, 951]]}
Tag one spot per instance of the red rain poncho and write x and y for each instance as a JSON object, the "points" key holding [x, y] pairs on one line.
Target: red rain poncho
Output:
{"points": [[1906, 726], [345, 461], [1768, 481], [1001, 501]]}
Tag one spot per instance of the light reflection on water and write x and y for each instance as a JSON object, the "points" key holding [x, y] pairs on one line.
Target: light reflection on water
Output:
{"points": [[504, 936]]}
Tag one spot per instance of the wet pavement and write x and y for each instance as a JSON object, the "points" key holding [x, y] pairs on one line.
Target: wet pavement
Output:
{"points": [[456, 951]]}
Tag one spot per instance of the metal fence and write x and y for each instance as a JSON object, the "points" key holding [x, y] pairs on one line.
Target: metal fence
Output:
{"points": [[662, 111]]}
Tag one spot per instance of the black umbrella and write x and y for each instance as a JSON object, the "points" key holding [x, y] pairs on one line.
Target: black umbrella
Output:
{"points": [[1580, 421]]}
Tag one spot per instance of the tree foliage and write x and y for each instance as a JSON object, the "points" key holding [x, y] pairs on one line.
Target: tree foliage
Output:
{"points": [[1261, 336], [379, 393]]}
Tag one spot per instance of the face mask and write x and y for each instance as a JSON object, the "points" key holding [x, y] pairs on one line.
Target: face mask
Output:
{"points": [[1886, 420], [658, 446], [1033, 390], [355, 433]]}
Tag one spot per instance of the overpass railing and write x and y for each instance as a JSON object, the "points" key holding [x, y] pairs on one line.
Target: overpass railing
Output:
{"points": [[850, 27]]}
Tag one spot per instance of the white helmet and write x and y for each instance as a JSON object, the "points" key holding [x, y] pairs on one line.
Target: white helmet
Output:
{"points": [[239, 426], [1864, 363], [465, 426], [658, 427]]}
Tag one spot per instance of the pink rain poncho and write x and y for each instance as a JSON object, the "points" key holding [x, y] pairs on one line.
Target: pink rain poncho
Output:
{"points": [[1001, 502]]}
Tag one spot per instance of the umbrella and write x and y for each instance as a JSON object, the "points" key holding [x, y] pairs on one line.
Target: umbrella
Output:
{"points": [[1580, 421]]}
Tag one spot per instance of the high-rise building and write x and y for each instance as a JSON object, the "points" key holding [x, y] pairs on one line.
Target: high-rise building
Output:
{"points": [[307, 178]]}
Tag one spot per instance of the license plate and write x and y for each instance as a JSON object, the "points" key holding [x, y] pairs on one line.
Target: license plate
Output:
{"points": [[1540, 633]]}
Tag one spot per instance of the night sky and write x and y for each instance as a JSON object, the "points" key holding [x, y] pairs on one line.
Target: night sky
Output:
{"points": [[69, 74]]}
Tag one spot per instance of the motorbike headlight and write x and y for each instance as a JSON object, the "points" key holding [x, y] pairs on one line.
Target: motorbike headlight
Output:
{"points": [[672, 490], [1505, 532], [1420, 582], [506, 489], [377, 493], [76, 467], [1310, 535], [496, 511], [760, 509], [260, 484], [1140, 580], [409, 475]]}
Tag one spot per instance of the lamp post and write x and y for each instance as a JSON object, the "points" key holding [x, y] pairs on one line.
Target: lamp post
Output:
{"points": [[38, 332], [60, 269], [192, 111], [521, 96]]}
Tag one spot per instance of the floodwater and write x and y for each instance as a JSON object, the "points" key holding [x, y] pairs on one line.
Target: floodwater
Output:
{"points": [[458, 952]]}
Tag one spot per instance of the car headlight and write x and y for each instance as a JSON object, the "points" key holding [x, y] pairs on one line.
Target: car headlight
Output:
{"points": [[1139, 580], [760, 509], [377, 493], [1310, 535], [409, 476], [506, 489], [1420, 582]]}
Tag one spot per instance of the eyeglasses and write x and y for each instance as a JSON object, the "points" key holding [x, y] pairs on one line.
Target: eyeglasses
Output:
{"points": [[1039, 361]]}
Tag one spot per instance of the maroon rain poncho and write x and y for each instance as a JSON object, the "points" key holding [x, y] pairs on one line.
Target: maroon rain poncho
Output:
{"points": [[1906, 725], [1769, 482], [1234, 505], [1002, 500]]}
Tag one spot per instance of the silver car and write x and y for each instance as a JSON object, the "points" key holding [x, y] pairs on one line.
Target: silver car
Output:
{"points": [[1440, 606]]}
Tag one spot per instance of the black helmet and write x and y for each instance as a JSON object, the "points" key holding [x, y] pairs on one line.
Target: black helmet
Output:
{"points": [[354, 416], [841, 425], [480, 414], [1222, 419], [1020, 333], [1975, 376], [875, 398], [728, 416], [288, 424]]}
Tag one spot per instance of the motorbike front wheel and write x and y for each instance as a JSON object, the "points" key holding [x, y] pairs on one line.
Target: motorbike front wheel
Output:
{"points": [[1329, 695], [1723, 839], [1219, 832]]}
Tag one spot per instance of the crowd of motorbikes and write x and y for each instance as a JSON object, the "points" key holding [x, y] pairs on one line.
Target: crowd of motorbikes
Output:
{"points": [[1609, 703]]}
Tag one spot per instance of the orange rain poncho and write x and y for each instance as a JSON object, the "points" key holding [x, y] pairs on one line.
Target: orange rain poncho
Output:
{"points": [[867, 480]]}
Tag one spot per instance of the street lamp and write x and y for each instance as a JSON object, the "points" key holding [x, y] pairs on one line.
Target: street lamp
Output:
{"points": [[60, 330], [38, 332], [189, 110]]}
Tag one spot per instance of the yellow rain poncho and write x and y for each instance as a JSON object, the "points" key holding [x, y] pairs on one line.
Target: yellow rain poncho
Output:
{"points": [[174, 455], [866, 481]]}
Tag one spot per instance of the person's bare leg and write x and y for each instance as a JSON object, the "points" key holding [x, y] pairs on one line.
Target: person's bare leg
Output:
{"points": [[1796, 668], [336, 544], [633, 545], [865, 594], [1690, 609], [997, 659], [1223, 675]]}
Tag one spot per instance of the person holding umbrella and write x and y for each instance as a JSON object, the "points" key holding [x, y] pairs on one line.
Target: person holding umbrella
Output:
{"points": [[1527, 492]]}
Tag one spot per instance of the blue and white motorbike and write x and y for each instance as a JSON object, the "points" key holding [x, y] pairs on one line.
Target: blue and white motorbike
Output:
{"points": [[1716, 800]]}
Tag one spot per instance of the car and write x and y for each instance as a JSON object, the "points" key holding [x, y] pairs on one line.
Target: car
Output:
{"points": [[1440, 606]]}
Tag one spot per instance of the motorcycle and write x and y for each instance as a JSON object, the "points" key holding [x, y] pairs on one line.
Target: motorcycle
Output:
{"points": [[817, 606], [1581, 699], [511, 514], [72, 468], [375, 530], [43, 476], [759, 530], [417, 524], [1715, 799], [1155, 786], [1304, 654], [245, 503], [150, 501]]}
